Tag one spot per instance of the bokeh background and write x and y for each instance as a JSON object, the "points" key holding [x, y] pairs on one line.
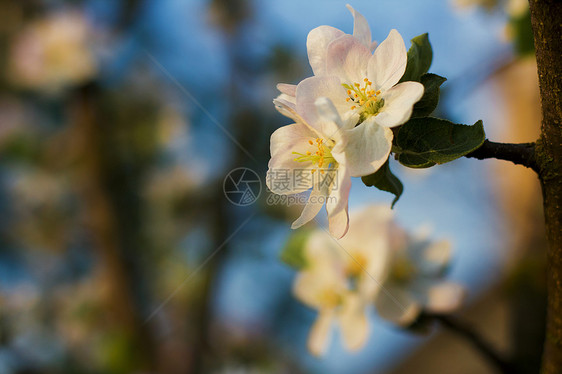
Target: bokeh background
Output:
{"points": [[119, 252]]}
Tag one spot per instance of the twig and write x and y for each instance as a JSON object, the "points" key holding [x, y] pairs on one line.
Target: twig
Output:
{"points": [[519, 154], [461, 329]]}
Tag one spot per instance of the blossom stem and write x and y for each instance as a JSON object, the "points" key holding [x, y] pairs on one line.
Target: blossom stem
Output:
{"points": [[465, 331], [519, 154]]}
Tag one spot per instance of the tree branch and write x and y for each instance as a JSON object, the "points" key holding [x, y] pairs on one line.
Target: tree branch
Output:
{"points": [[477, 342], [547, 28], [519, 154]]}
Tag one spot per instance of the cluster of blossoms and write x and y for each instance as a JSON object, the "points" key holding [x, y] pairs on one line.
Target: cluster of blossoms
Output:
{"points": [[376, 263], [54, 52], [343, 117]]}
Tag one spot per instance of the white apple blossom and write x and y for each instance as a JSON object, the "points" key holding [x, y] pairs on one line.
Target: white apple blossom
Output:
{"points": [[415, 279], [342, 278], [365, 90], [363, 87], [325, 286], [376, 263], [304, 158]]}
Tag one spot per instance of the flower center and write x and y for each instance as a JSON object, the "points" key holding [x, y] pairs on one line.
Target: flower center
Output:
{"points": [[364, 98], [403, 270], [356, 265], [322, 155], [330, 298]]}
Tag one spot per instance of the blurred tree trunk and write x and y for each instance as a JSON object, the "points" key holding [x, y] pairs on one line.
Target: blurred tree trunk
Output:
{"points": [[122, 309], [546, 18]]}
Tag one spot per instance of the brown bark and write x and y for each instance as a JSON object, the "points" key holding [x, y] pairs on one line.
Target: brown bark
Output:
{"points": [[519, 154], [546, 18]]}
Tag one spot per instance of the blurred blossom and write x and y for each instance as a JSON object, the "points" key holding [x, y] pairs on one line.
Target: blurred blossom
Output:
{"points": [[514, 8], [35, 188], [41, 206], [54, 52], [517, 30], [415, 279], [489, 5], [324, 286], [172, 127], [376, 262], [172, 183], [517, 8]]}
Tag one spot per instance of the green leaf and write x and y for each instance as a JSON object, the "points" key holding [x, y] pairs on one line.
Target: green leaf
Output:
{"points": [[430, 98], [420, 56], [424, 142], [384, 180], [293, 252]]}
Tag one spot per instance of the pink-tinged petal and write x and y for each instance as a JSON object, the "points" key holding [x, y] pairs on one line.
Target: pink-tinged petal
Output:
{"points": [[399, 103], [282, 165], [317, 47], [319, 337], [361, 29], [354, 324], [367, 148], [388, 63], [315, 202], [332, 125], [337, 203], [287, 89], [347, 59], [311, 89], [445, 297], [285, 105], [397, 305]]}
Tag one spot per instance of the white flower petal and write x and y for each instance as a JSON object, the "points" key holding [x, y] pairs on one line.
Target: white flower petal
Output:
{"points": [[322, 251], [311, 283], [315, 202], [435, 257], [397, 305], [377, 269], [331, 123], [317, 46], [319, 337], [388, 63], [368, 147], [398, 103], [353, 323], [311, 89], [361, 29], [337, 203], [288, 89], [347, 59], [287, 107], [285, 141], [445, 297]]}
